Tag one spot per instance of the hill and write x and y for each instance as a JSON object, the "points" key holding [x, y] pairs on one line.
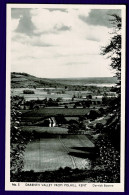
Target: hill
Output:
{"points": [[20, 80]]}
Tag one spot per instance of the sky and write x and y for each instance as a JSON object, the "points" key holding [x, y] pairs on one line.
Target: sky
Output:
{"points": [[60, 42]]}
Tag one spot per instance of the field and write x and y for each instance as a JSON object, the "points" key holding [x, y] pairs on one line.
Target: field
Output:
{"points": [[39, 94], [50, 130], [55, 111], [59, 151]]}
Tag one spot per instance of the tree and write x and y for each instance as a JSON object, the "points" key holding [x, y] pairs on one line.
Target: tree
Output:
{"points": [[66, 106], [28, 91], [113, 51], [102, 111], [89, 96], [94, 114], [73, 127], [60, 119], [59, 99], [16, 137]]}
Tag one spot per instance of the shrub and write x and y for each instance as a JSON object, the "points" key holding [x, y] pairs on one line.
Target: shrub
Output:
{"points": [[27, 91], [93, 114]]}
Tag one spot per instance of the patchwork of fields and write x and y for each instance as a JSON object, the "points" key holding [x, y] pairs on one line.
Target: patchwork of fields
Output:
{"points": [[42, 94], [61, 120], [58, 151]]}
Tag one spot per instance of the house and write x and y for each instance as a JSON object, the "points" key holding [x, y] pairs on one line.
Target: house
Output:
{"points": [[52, 122]]}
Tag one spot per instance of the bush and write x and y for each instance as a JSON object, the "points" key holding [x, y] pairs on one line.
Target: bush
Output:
{"points": [[73, 127], [99, 126], [109, 158], [60, 119], [18, 138], [27, 91], [94, 114]]}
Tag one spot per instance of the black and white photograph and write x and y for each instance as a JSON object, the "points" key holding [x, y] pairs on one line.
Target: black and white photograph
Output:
{"points": [[65, 86]]}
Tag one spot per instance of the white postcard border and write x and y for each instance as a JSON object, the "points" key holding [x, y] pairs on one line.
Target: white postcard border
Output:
{"points": [[78, 187]]}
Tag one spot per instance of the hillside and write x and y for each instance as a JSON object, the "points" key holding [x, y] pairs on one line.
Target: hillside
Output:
{"points": [[20, 80]]}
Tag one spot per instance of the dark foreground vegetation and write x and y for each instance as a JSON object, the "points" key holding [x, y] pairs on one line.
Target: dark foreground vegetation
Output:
{"points": [[66, 175]]}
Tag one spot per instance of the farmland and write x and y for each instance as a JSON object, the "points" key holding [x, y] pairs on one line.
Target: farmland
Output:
{"points": [[58, 151], [48, 130], [56, 111], [56, 123], [39, 93]]}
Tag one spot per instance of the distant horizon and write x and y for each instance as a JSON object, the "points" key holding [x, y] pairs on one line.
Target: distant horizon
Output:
{"points": [[65, 77]]}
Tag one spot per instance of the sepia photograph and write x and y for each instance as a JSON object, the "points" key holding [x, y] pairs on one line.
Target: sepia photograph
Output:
{"points": [[65, 86]]}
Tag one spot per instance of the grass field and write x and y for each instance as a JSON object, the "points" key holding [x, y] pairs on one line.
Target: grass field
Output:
{"points": [[59, 151], [54, 111], [50, 130], [39, 94]]}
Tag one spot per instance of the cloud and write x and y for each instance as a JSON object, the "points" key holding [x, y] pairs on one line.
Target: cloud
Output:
{"points": [[25, 24], [56, 9], [14, 23], [90, 38], [37, 22], [76, 63], [62, 27], [47, 22], [18, 12], [41, 44], [57, 43], [30, 40], [100, 17]]}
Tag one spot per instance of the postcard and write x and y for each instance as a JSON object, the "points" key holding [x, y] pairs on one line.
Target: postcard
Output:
{"points": [[65, 97]]}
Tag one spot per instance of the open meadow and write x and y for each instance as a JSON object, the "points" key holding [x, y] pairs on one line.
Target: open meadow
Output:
{"points": [[58, 151], [56, 111]]}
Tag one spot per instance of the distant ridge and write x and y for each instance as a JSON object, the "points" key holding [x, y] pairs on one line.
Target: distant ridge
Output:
{"points": [[19, 80], [25, 80]]}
